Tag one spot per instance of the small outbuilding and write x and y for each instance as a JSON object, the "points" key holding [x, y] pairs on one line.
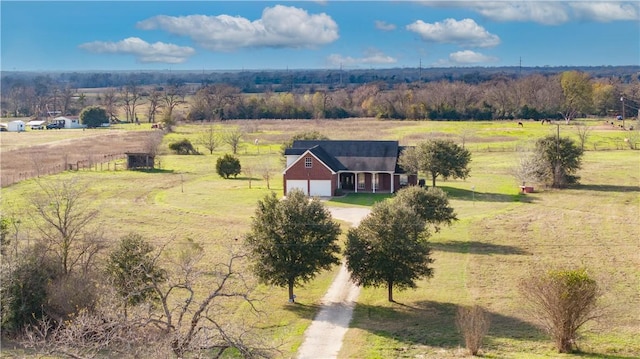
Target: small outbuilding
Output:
{"points": [[36, 124], [68, 122], [140, 160], [16, 126]]}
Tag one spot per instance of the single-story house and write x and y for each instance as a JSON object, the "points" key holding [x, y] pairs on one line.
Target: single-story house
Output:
{"points": [[68, 122], [324, 167], [36, 124], [16, 126]]}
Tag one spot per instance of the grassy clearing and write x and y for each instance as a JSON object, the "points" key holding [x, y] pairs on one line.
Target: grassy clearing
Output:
{"points": [[500, 237]]}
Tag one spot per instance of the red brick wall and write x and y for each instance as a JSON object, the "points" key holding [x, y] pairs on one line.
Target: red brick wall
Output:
{"points": [[318, 171]]}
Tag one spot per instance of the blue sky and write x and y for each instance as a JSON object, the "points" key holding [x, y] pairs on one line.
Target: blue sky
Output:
{"points": [[237, 35]]}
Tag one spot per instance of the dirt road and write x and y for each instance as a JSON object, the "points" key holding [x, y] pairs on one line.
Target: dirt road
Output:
{"points": [[323, 338]]}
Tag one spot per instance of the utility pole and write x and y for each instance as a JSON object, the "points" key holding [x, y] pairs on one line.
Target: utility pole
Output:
{"points": [[622, 100]]}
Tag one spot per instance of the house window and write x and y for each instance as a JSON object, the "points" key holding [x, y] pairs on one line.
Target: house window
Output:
{"points": [[361, 179], [404, 180], [307, 162]]}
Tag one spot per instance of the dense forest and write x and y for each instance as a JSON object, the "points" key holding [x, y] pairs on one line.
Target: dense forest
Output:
{"points": [[409, 93]]}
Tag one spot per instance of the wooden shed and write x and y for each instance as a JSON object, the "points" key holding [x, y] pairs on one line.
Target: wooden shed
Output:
{"points": [[140, 160]]}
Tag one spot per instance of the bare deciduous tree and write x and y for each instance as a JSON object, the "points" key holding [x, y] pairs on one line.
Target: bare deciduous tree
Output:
{"points": [[562, 301], [63, 216], [109, 101], [233, 138], [193, 322], [248, 171], [583, 131], [266, 171], [154, 104], [187, 321], [208, 139], [131, 96], [172, 97], [473, 323]]}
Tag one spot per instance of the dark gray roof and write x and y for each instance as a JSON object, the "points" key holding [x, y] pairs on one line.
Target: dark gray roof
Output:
{"points": [[351, 155]]}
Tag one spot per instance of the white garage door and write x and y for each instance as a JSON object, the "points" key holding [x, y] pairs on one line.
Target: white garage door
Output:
{"points": [[320, 188], [300, 184]]}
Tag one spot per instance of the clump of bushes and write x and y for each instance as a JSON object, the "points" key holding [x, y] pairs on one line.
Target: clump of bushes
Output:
{"points": [[183, 147]]}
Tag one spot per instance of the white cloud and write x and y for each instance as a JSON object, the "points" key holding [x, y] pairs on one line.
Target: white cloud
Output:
{"points": [[279, 26], [470, 57], [371, 57], [606, 11], [544, 12], [142, 50], [465, 32], [549, 12], [384, 26]]}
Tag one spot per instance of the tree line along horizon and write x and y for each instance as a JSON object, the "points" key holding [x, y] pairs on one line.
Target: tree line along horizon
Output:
{"points": [[564, 95]]}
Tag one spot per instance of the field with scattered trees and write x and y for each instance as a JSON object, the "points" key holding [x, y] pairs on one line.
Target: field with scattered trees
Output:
{"points": [[532, 251], [143, 255]]}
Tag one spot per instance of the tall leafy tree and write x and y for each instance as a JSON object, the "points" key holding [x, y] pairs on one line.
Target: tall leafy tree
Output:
{"points": [[132, 268], [561, 157], [292, 240], [431, 205], [94, 116], [578, 93], [438, 158], [389, 248]]}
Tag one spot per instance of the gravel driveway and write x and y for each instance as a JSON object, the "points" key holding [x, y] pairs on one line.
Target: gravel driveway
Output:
{"points": [[323, 338]]}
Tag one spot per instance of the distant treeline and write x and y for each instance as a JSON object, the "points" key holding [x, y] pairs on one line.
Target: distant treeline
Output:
{"points": [[414, 93], [251, 81]]}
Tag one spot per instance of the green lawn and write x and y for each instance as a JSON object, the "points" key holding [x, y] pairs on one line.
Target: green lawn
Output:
{"points": [[500, 237]]}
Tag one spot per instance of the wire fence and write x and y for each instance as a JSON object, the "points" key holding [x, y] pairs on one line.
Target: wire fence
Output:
{"points": [[107, 162]]}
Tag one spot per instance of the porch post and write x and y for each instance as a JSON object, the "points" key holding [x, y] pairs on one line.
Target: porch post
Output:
{"points": [[373, 181], [393, 180], [356, 184]]}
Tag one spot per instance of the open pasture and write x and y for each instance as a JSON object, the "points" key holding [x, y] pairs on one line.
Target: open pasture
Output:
{"points": [[500, 237]]}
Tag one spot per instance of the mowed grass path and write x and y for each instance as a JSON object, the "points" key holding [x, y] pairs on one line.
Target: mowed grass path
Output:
{"points": [[501, 235]]}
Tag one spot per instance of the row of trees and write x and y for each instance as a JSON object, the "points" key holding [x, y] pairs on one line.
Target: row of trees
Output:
{"points": [[537, 96], [293, 239], [566, 96]]}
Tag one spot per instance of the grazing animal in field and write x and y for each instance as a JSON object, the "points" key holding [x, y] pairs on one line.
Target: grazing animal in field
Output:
{"points": [[520, 124]]}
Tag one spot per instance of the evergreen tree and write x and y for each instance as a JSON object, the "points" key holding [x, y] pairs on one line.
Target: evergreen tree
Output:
{"points": [[390, 248], [291, 240]]}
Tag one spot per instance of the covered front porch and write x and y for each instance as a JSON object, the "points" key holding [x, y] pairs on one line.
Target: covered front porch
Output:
{"points": [[371, 182]]}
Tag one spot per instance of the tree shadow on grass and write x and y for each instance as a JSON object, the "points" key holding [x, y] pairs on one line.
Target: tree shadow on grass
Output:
{"points": [[607, 188], [476, 247], [471, 195], [151, 170], [602, 356], [307, 311], [433, 324]]}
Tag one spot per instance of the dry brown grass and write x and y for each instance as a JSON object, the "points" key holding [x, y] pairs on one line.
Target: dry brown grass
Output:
{"points": [[20, 159]]}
